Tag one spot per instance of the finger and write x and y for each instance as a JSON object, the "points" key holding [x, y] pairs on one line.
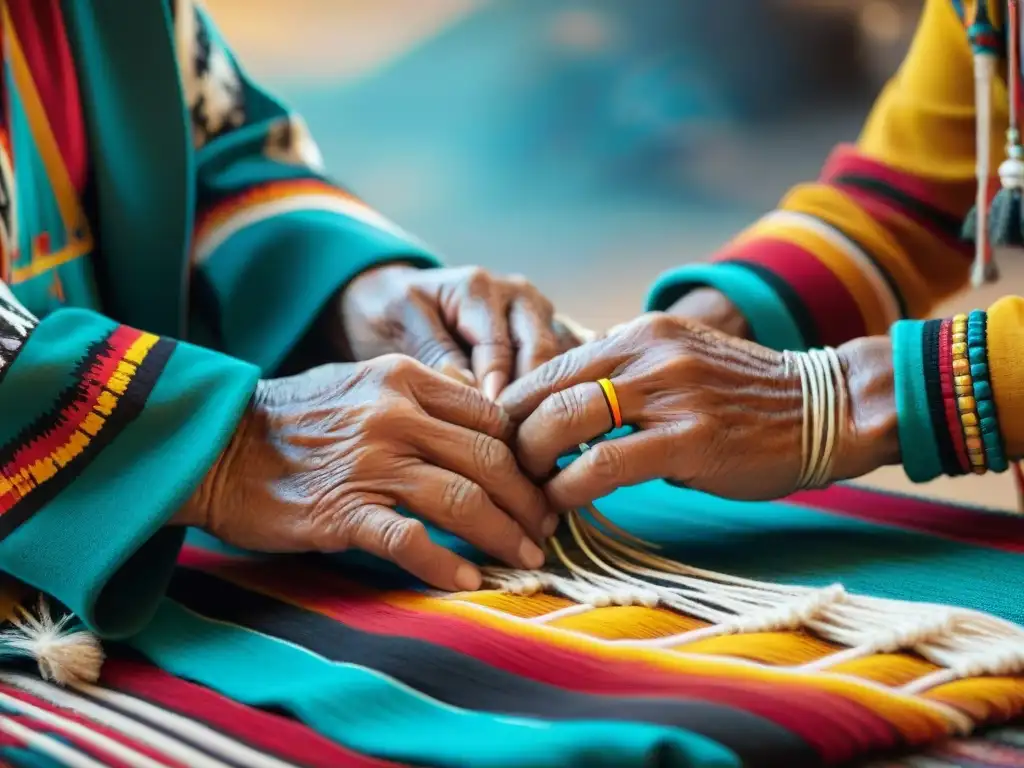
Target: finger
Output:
{"points": [[560, 423], [491, 465], [462, 507], [531, 324], [453, 402], [629, 460], [425, 337], [404, 541], [590, 362], [482, 323]]}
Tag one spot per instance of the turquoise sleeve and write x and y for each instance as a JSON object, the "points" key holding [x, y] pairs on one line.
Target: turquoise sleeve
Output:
{"points": [[770, 321], [105, 433], [276, 239], [918, 446]]}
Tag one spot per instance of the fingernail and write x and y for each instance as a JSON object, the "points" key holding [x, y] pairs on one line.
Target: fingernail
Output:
{"points": [[467, 578], [459, 374], [494, 382], [549, 526], [530, 555]]}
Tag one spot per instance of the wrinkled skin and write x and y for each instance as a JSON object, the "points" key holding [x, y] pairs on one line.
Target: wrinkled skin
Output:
{"points": [[321, 461], [714, 412]]}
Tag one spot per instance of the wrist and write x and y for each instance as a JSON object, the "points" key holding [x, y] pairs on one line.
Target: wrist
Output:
{"points": [[713, 308], [870, 438]]}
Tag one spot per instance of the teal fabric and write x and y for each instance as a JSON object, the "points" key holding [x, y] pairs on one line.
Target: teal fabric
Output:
{"points": [[770, 322], [788, 543], [140, 147], [265, 307], [393, 721], [101, 546], [919, 449]]}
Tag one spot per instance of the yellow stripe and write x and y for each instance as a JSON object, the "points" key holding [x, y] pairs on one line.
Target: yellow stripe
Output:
{"points": [[42, 264], [849, 274], [916, 718]]}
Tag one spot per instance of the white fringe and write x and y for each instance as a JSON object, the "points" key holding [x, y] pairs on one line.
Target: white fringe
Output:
{"points": [[65, 655], [613, 567]]}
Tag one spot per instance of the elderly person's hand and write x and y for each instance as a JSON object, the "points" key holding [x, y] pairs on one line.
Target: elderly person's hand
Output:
{"points": [[321, 461], [713, 412], [483, 328]]}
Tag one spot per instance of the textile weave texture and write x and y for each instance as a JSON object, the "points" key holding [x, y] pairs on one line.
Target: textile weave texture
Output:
{"points": [[334, 661]]}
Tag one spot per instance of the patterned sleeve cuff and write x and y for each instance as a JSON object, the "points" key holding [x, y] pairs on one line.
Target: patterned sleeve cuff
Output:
{"points": [[270, 259], [107, 431], [770, 321]]}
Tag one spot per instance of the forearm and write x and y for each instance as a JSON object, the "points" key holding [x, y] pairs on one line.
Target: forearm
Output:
{"points": [[941, 396]]}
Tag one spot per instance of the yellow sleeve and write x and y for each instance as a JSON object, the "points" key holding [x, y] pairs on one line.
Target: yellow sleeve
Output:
{"points": [[1005, 353], [877, 237]]}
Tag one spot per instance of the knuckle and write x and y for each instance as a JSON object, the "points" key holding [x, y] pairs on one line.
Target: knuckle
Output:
{"points": [[660, 326], [400, 536], [607, 461], [397, 367], [461, 498], [430, 351], [491, 456], [478, 280], [566, 405]]}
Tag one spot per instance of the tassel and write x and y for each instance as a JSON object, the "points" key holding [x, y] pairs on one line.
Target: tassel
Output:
{"points": [[984, 44], [65, 654]]}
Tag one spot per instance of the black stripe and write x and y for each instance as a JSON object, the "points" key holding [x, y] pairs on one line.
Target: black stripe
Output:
{"points": [[130, 407], [945, 223], [936, 403], [463, 681], [794, 304]]}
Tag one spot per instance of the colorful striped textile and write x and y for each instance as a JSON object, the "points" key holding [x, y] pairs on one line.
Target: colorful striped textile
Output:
{"points": [[335, 661]]}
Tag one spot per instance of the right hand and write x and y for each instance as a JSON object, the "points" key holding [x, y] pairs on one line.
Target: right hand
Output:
{"points": [[321, 461], [712, 308]]}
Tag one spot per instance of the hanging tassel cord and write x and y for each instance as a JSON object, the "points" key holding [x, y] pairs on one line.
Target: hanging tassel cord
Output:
{"points": [[984, 45]]}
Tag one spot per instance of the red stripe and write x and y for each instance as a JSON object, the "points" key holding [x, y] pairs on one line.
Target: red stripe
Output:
{"points": [[837, 318], [970, 526], [837, 727], [92, 725], [39, 25], [90, 386], [950, 198], [956, 434], [272, 734]]}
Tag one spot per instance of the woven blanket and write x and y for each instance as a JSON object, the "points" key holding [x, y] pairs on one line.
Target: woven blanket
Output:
{"points": [[333, 661]]}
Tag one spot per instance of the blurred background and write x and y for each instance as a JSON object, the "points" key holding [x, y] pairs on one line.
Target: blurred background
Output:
{"points": [[588, 144]]}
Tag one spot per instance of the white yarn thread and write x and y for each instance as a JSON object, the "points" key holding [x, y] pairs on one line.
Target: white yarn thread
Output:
{"points": [[825, 404]]}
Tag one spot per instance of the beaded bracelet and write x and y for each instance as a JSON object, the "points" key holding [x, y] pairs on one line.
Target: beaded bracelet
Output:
{"points": [[985, 404], [952, 417], [965, 403], [948, 422]]}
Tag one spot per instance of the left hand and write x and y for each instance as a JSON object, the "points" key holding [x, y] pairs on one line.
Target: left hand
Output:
{"points": [[481, 328], [714, 413]]}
